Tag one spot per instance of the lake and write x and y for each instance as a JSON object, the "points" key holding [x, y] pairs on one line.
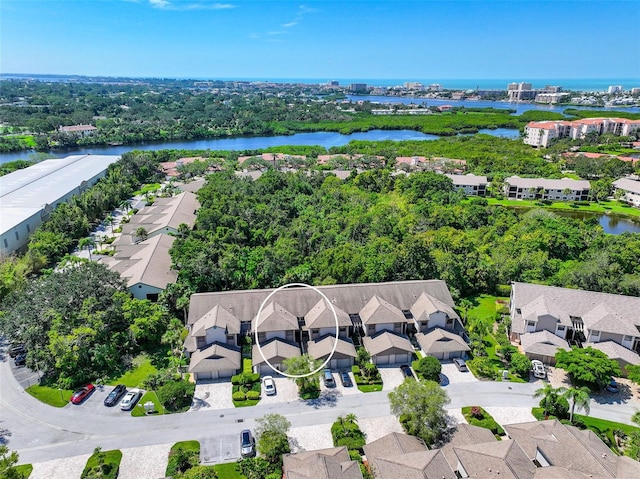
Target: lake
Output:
{"points": [[614, 225], [327, 139]]}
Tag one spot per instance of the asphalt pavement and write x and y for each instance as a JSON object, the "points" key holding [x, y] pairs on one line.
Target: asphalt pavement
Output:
{"points": [[41, 432]]}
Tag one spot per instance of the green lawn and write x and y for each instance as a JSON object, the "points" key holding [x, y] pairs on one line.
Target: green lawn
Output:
{"points": [[247, 366], [604, 207], [370, 388], [229, 471], [111, 464], [142, 367], [51, 396], [148, 396], [24, 471], [486, 420], [191, 448], [484, 308]]}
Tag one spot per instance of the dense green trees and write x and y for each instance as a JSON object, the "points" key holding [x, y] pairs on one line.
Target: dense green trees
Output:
{"points": [[420, 407], [79, 324], [588, 367]]}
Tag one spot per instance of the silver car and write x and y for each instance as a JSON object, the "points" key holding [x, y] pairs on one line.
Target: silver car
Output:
{"points": [[538, 369]]}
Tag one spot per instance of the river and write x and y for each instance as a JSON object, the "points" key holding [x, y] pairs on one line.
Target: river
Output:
{"points": [[518, 107], [327, 139]]}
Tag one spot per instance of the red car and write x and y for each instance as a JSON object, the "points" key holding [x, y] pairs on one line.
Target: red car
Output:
{"points": [[81, 394]]}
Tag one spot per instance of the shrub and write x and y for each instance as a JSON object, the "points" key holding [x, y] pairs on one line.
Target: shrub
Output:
{"points": [[520, 365], [428, 368], [484, 367], [476, 411], [559, 406], [245, 379], [351, 442], [355, 369], [176, 395], [239, 396], [253, 395]]}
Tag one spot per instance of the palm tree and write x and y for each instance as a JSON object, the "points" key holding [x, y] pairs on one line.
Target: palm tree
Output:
{"points": [[125, 205], [579, 397], [108, 221], [142, 233], [88, 243], [352, 418], [548, 394]]}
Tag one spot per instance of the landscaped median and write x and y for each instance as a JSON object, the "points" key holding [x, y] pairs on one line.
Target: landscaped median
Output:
{"points": [[103, 464], [246, 389], [367, 378], [476, 416]]}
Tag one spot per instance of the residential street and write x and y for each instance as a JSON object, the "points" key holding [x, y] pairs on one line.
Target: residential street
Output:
{"points": [[40, 432]]}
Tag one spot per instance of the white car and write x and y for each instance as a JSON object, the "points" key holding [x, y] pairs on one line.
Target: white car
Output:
{"points": [[130, 399], [269, 385], [538, 369]]}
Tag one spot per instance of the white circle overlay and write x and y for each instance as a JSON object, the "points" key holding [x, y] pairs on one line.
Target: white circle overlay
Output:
{"points": [[335, 316]]}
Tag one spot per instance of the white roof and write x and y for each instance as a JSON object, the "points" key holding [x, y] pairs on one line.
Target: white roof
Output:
{"points": [[25, 192], [628, 184], [549, 184]]}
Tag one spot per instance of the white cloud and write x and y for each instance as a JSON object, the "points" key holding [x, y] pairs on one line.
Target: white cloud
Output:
{"points": [[203, 5], [280, 32], [290, 24]]}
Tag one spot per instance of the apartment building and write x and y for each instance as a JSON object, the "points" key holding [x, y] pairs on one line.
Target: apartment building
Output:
{"points": [[541, 133], [564, 189]]}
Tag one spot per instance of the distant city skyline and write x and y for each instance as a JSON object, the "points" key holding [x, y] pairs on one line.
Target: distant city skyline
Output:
{"points": [[368, 40]]}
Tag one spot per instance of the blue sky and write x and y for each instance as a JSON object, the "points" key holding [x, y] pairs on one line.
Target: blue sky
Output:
{"points": [[412, 40]]}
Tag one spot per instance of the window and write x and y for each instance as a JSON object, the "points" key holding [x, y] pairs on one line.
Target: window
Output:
{"points": [[531, 324], [28, 228], [17, 236], [6, 243], [518, 311]]}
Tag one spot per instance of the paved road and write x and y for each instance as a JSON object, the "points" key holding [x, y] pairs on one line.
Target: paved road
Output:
{"points": [[41, 432]]}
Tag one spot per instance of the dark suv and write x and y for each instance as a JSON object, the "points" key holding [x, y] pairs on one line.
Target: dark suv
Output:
{"points": [[17, 350]]}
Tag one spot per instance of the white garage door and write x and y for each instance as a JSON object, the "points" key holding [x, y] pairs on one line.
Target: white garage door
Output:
{"points": [[382, 360], [203, 376]]}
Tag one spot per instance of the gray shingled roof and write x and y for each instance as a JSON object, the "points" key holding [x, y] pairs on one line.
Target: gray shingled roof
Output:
{"points": [[332, 463], [412, 465], [168, 212], [217, 357], [274, 317], [613, 313], [489, 460], [386, 342], [468, 180], [218, 317], [322, 348], [548, 184], [427, 304], [464, 435], [627, 184], [394, 444], [147, 262], [351, 298], [275, 351], [564, 446], [321, 316], [380, 311], [441, 341], [543, 343], [616, 351]]}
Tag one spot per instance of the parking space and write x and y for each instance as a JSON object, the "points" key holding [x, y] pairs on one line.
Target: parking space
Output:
{"points": [[451, 374], [212, 395], [68, 467], [392, 377], [286, 390], [345, 391], [145, 461], [221, 448], [25, 376], [95, 404]]}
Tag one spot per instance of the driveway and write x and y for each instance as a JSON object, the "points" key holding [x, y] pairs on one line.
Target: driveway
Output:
{"points": [[392, 377], [451, 375], [211, 395], [219, 448], [286, 391]]}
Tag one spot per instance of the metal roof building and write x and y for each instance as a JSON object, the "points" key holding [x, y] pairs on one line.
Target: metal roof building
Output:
{"points": [[29, 195]]}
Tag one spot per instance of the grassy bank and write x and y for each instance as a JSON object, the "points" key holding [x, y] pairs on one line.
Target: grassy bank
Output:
{"points": [[603, 208]]}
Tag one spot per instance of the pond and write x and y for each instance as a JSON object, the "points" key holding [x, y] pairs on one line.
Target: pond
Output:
{"points": [[611, 224]]}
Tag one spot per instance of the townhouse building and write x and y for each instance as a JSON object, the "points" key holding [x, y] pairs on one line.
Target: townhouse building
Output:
{"points": [[564, 189], [542, 133]]}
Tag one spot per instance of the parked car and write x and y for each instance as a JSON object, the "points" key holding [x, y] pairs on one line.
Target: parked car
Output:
{"points": [[612, 387], [20, 359], [406, 370], [327, 377], [269, 385], [345, 379], [17, 350], [130, 399], [538, 369], [247, 448], [460, 364], [81, 394], [115, 395]]}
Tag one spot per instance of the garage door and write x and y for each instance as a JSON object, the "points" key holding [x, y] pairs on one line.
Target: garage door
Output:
{"points": [[345, 363], [382, 360], [203, 376]]}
